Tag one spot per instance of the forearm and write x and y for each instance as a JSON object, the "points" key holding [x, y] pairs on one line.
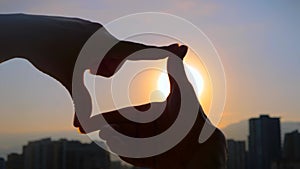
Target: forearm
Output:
{"points": [[33, 35]]}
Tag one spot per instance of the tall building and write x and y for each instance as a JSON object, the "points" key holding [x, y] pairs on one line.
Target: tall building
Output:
{"points": [[64, 154], [236, 154], [15, 161], [291, 146], [37, 154], [264, 142], [2, 163], [291, 152]]}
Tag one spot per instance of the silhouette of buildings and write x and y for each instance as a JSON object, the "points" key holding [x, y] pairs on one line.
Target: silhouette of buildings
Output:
{"points": [[264, 142], [2, 163], [88, 156], [61, 154], [236, 154], [291, 147], [264, 152], [15, 161], [264, 147], [291, 152]]}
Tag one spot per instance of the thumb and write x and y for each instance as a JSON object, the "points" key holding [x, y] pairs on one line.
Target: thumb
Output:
{"points": [[178, 82]]}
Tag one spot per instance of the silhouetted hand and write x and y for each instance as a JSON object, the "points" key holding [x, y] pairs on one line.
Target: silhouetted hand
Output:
{"points": [[52, 44], [189, 153], [125, 50], [113, 60]]}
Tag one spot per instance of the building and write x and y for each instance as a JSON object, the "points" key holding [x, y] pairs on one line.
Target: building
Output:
{"points": [[2, 163], [291, 146], [87, 156], [15, 161], [37, 154], [236, 154], [64, 154], [264, 142], [291, 152]]}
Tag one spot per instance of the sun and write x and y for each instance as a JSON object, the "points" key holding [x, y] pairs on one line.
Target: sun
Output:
{"points": [[193, 75]]}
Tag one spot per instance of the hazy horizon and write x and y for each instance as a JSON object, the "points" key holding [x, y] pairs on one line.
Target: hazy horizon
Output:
{"points": [[13, 142]]}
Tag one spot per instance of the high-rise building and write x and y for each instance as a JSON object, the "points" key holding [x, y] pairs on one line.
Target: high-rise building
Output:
{"points": [[236, 154], [291, 152], [15, 161], [37, 154], [2, 163], [64, 154], [291, 147], [264, 142]]}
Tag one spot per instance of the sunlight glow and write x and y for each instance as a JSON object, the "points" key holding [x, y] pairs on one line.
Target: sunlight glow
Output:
{"points": [[163, 84], [193, 76]]}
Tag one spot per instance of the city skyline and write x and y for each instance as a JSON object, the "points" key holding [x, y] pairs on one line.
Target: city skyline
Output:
{"points": [[286, 127], [238, 155], [265, 147], [46, 153]]}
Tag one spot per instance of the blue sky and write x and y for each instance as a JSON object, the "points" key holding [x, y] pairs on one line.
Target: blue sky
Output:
{"points": [[258, 42]]}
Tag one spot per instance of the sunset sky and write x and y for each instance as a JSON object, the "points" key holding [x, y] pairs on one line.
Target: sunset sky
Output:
{"points": [[258, 43]]}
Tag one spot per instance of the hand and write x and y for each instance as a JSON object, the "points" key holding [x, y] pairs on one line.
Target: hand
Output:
{"points": [[116, 56], [125, 50], [189, 153]]}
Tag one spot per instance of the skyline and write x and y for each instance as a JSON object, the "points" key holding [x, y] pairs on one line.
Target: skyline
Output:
{"points": [[257, 43], [13, 142], [234, 145]]}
